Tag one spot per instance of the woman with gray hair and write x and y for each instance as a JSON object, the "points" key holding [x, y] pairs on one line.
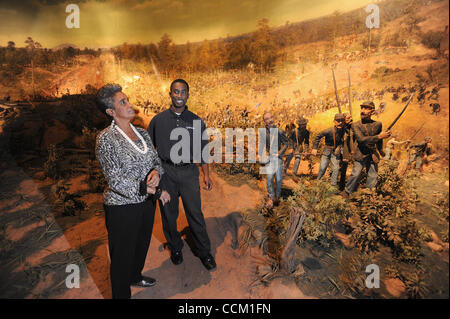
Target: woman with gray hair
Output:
{"points": [[133, 173]]}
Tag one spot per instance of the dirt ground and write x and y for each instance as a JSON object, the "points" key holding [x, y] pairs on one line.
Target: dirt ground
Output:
{"points": [[24, 199], [87, 235]]}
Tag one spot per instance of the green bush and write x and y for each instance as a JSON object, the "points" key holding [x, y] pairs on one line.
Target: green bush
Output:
{"points": [[383, 217], [382, 71], [324, 210]]}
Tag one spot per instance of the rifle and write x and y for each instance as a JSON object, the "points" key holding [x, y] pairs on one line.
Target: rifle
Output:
{"points": [[409, 146], [414, 135], [349, 94], [305, 153], [335, 91], [396, 119]]}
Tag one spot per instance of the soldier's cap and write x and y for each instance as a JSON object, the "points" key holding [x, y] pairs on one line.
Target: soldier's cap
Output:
{"points": [[339, 116], [302, 121], [427, 138], [368, 104]]}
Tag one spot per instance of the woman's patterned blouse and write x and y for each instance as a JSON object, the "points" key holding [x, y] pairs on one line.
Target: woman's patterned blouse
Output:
{"points": [[123, 166]]}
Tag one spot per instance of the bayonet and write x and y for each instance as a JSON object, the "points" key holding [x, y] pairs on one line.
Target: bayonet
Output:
{"points": [[349, 94], [414, 135], [335, 91]]}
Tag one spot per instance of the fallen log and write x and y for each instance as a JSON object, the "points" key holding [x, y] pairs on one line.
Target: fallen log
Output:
{"points": [[297, 217]]}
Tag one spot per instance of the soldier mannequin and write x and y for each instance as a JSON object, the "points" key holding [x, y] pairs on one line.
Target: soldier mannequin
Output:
{"points": [[390, 145], [333, 148], [369, 146], [300, 137], [421, 151]]}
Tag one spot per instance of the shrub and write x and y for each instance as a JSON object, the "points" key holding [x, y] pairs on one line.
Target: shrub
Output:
{"points": [[381, 71], [383, 217], [432, 39], [324, 210], [96, 180], [88, 140], [70, 203], [51, 166]]}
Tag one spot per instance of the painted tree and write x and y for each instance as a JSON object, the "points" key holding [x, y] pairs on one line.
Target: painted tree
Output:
{"points": [[204, 56], [238, 53], [11, 45], [411, 21], [336, 28], [32, 46], [263, 50], [166, 53]]}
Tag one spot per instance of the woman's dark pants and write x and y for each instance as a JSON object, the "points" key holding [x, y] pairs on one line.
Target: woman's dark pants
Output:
{"points": [[129, 231]]}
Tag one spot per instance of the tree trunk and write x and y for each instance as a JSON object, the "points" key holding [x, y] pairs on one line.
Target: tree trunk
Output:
{"points": [[297, 217], [32, 77]]}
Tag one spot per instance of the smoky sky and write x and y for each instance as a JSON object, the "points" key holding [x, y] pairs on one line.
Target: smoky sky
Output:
{"points": [[106, 23]]}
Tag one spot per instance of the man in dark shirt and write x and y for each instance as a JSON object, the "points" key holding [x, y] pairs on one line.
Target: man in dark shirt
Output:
{"points": [[289, 129], [275, 144], [299, 137], [369, 147], [182, 175], [347, 150], [334, 138]]}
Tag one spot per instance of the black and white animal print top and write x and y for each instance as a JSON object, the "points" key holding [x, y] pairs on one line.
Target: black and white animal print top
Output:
{"points": [[123, 166]]}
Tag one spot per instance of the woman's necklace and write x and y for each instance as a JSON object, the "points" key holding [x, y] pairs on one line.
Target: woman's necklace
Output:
{"points": [[130, 141]]}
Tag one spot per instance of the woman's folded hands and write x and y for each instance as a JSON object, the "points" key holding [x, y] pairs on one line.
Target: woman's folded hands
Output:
{"points": [[152, 187]]}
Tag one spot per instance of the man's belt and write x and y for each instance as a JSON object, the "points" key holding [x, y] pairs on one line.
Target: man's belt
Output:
{"points": [[175, 165]]}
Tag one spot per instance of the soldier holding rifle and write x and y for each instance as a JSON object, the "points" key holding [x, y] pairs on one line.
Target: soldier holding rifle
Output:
{"points": [[300, 139], [334, 137], [369, 146]]}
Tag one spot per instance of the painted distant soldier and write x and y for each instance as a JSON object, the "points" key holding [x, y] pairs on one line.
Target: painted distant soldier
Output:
{"points": [[332, 152], [436, 108], [369, 148], [420, 152], [146, 108], [434, 94]]}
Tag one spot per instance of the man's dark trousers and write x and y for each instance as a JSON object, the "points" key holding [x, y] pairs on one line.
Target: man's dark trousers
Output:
{"points": [[183, 181]]}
